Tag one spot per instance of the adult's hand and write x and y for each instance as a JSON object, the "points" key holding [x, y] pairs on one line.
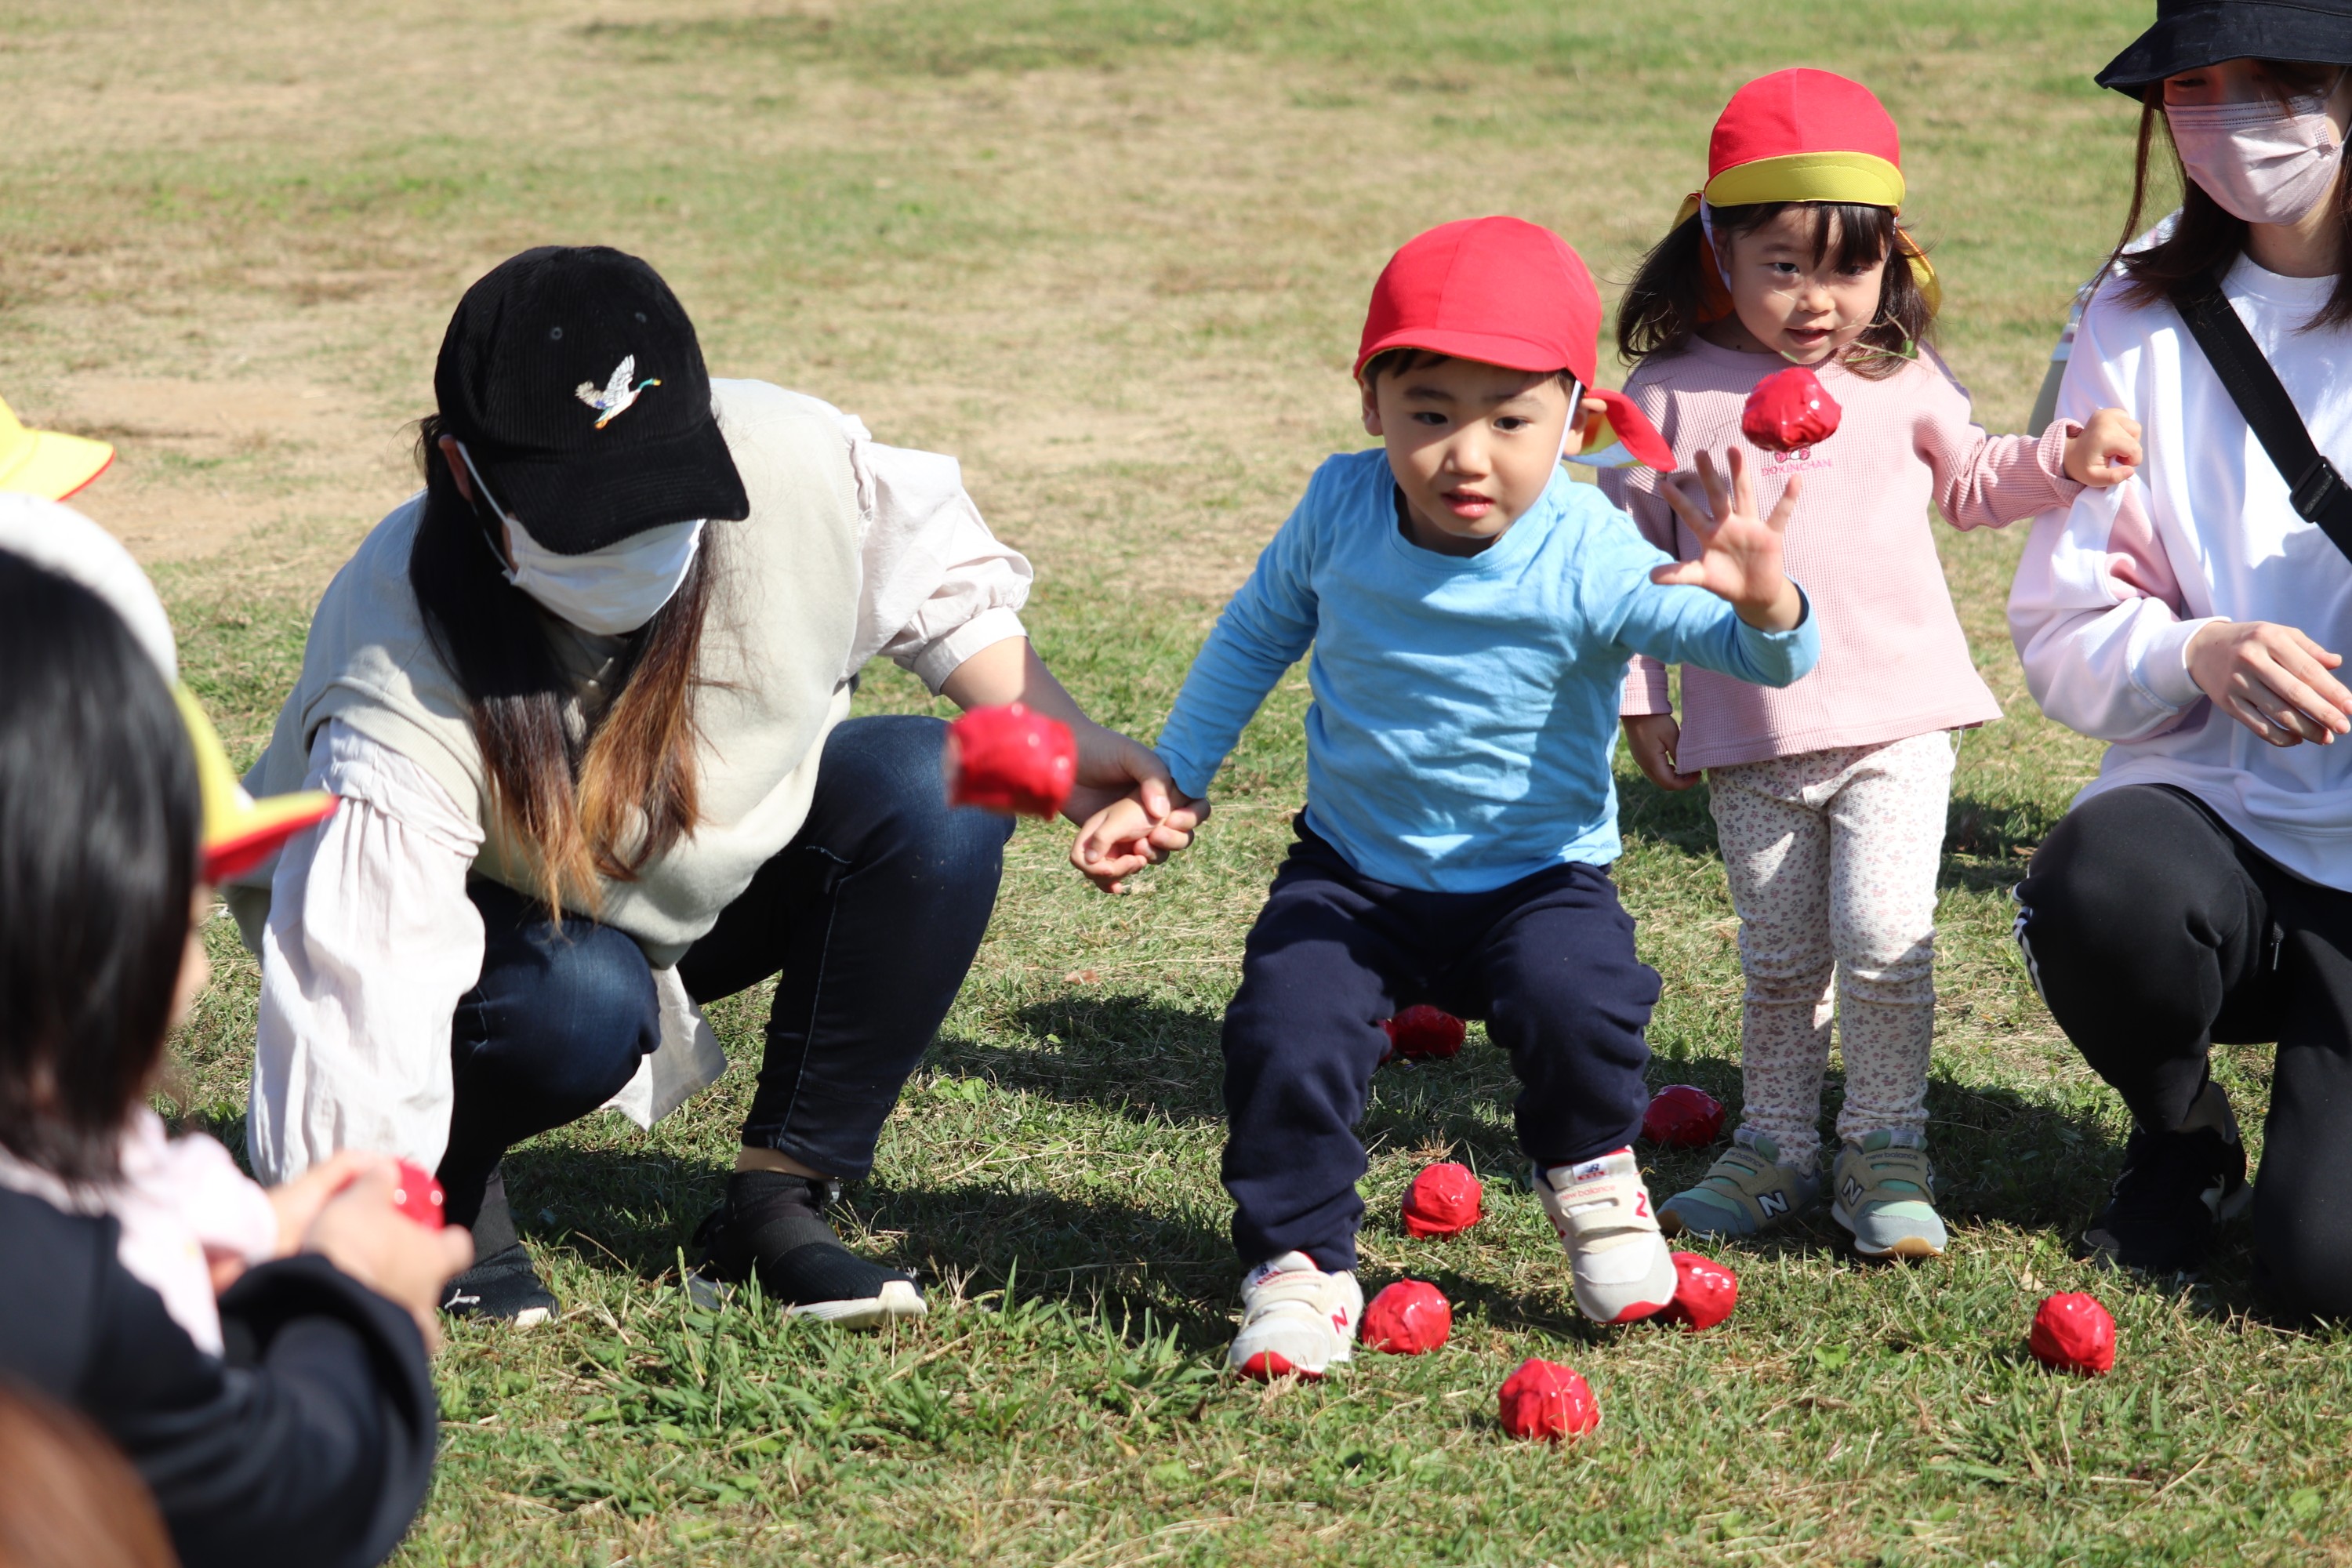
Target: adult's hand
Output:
{"points": [[2273, 680], [360, 1231]]}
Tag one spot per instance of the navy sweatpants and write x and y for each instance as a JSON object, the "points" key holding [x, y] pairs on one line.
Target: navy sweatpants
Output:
{"points": [[1547, 963]]}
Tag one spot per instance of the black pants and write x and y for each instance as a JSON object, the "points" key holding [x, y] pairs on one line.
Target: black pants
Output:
{"points": [[2155, 931], [870, 918], [1548, 962]]}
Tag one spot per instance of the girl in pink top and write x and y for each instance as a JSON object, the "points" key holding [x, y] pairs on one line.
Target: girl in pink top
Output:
{"points": [[1830, 795]]}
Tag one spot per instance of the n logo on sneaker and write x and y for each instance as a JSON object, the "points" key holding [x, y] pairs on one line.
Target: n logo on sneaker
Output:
{"points": [[1852, 1190], [1772, 1204], [1591, 1171]]}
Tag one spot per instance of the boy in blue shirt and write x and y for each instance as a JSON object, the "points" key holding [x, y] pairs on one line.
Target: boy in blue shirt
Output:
{"points": [[1471, 611]]}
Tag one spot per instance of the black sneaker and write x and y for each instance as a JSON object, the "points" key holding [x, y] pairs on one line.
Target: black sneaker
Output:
{"points": [[2175, 1190], [504, 1288], [771, 1226]]}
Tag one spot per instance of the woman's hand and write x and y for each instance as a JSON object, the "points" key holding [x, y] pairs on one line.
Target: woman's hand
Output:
{"points": [[2273, 680], [1739, 553], [1125, 835], [2104, 451], [360, 1231], [1652, 739]]}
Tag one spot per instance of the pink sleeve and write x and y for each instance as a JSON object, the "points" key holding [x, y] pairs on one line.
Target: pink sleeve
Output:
{"points": [[1635, 491], [1989, 482]]}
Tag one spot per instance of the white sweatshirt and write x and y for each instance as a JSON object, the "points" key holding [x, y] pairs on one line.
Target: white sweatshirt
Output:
{"points": [[2111, 590], [371, 938]]}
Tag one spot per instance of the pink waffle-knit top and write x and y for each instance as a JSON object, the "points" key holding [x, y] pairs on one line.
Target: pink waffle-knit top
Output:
{"points": [[1893, 662]]}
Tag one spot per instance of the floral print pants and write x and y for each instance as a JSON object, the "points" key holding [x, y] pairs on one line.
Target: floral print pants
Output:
{"points": [[1833, 859]]}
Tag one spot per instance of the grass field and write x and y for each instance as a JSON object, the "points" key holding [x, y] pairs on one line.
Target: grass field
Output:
{"points": [[1113, 253]]}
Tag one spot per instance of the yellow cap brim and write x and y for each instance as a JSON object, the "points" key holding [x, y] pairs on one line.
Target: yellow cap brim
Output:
{"points": [[1861, 177], [54, 465], [240, 832]]}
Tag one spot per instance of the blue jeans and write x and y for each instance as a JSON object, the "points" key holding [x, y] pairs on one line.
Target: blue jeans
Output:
{"points": [[868, 919], [1548, 962]]}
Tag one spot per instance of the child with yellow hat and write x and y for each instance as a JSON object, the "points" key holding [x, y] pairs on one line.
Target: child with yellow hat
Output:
{"points": [[1829, 796]]}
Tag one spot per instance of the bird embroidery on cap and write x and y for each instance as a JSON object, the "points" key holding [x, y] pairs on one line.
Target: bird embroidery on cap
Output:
{"points": [[618, 394]]}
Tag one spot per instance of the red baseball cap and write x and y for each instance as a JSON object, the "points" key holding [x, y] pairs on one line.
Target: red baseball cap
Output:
{"points": [[1499, 291]]}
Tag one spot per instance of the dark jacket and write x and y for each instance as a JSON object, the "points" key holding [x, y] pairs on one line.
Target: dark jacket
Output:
{"points": [[312, 1443]]}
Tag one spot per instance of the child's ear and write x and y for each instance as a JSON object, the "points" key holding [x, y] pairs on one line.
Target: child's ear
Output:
{"points": [[1371, 407], [1588, 414]]}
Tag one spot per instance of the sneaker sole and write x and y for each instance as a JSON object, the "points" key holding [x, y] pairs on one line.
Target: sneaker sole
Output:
{"points": [[899, 1301], [1908, 1249]]}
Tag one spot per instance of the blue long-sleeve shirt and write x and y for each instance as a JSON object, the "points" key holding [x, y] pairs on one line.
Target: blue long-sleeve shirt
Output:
{"points": [[1465, 707]]}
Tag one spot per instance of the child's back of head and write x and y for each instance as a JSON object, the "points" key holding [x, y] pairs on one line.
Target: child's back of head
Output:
{"points": [[99, 828]]}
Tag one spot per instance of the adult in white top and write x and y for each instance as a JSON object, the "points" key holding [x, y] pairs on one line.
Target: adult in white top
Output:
{"points": [[584, 700], [2200, 889]]}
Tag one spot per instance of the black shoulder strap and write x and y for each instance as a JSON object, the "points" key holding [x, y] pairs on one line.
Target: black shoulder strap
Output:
{"points": [[2318, 491]]}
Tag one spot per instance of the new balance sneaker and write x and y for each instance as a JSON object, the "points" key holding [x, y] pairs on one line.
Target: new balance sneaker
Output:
{"points": [[2174, 1189], [1749, 1190], [502, 1288], [770, 1226], [1886, 1195], [1617, 1260], [1297, 1320]]}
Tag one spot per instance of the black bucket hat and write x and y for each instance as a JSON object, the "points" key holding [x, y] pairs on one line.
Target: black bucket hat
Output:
{"points": [[574, 379], [2193, 33]]}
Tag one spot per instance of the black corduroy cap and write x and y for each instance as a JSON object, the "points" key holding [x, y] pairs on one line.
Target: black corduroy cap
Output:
{"points": [[574, 379], [2191, 34]]}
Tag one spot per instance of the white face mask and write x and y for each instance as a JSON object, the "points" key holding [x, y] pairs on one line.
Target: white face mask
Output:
{"points": [[607, 591], [2262, 162]]}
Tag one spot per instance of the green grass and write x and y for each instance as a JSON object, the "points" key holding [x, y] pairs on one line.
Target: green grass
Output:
{"points": [[1112, 252]]}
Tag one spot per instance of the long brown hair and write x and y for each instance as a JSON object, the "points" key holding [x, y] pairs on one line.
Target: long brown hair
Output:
{"points": [[588, 794], [2207, 238], [1664, 304]]}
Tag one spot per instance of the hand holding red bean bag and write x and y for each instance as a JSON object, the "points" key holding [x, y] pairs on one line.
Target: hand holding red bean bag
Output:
{"points": [[1410, 1317], [1704, 1293], [1789, 409], [2072, 1332], [1011, 760], [1682, 1116], [1442, 1200], [1422, 1033], [419, 1197], [1544, 1399]]}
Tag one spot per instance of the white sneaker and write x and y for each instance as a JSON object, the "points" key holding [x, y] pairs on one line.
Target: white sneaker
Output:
{"points": [[1618, 1261], [1297, 1320]]}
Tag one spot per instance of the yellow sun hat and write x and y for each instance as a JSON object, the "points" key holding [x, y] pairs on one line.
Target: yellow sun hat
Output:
{"points": [[239, 832], [46, 463]]}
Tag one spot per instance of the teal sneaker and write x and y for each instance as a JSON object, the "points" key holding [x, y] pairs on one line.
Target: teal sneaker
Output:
{"points": [[1887, 1197], [1746, 1191]]}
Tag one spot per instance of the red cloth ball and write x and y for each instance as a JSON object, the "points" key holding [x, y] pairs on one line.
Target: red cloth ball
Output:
{"points": [[1544, 1399], [419, 1197], [1011, 760], [1790, 409], [2072, 1332], [1705, 1293], [1422, 1033], [1410, 1317], [1683, 1116], [1443, 1199]]}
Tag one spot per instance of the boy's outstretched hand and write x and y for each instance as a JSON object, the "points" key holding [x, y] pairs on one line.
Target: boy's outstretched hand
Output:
{"points": [[1740, 552]]}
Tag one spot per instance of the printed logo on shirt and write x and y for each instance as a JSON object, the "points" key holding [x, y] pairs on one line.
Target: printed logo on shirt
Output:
{"points": [[1800, 461]]}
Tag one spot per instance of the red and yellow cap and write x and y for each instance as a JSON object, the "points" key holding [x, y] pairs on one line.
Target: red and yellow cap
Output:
{"points": [[1805, 135], [46, 463]]}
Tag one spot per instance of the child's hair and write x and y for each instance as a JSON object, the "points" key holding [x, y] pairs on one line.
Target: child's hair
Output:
{"points": [[2207, 236], [67, 1498], [99, 834], [1663, 304], [1396, 362]]}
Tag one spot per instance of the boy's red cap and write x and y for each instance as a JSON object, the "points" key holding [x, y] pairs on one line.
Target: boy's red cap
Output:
{"points": [[1500, 291]]}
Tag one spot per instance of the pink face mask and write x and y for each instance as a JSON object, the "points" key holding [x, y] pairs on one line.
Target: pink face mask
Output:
{"points": [[2263, 162]]}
